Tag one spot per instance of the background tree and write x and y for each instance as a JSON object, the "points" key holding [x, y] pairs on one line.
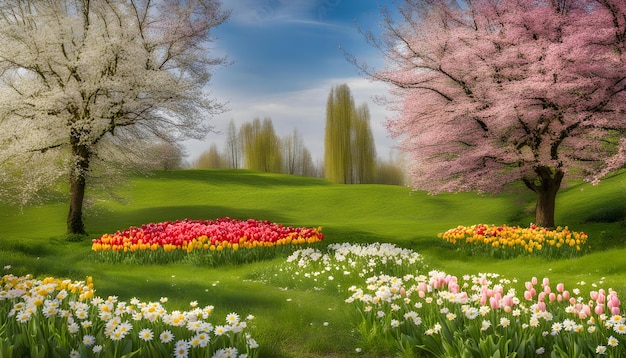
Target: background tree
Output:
{"points": [[390, 171], [337, 138], [165, 156], [349, 149], [363, 148], [493, 92], [296, 157], [233, 146], [261, 146], [77, 76], [211, 159]]}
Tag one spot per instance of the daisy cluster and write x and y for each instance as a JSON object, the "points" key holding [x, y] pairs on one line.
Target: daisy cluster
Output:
{"points": [[510, 241], [341, 265], [53, 317]]}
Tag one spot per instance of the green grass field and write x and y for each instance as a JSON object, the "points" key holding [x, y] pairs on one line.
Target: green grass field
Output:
{"points": [[290, 322]]}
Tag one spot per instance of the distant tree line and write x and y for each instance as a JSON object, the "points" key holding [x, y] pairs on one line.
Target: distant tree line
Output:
{"points": [[349, 148], [256, 146]]}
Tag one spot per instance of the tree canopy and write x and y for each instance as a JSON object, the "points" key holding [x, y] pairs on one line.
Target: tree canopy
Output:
{"points": [[492, 92], [84, 82]]}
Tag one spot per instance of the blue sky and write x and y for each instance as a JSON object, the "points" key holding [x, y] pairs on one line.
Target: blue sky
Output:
{"points": [[286, 57]]}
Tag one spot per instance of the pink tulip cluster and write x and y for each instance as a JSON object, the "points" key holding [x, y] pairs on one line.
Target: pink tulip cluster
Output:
{"points": [[601, 302]]}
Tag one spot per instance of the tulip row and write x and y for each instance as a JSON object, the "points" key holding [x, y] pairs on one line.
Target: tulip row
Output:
{"points": [[179, 239], [52, 318], [510, 241]]}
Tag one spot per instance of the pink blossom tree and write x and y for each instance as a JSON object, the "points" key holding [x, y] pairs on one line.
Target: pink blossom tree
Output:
{"points": [[492, 92]]}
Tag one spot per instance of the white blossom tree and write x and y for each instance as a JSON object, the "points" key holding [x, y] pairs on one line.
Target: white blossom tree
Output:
{"points": [[85, 81]]}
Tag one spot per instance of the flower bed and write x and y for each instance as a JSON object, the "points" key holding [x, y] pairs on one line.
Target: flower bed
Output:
{"points": [[341, 265], [192, 239], [409, 310], [52, 317], [482, 315], [510, 241]]}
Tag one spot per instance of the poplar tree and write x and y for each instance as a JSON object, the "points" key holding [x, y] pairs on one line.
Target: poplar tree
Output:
{"points": [[261, 146], [349, 149], [337, 140], [363, 149]]}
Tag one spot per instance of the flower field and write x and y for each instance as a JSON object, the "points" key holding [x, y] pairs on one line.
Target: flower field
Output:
{"points": [[400, 306], [202, 241], [53, 317], [417, 310], [511, 241]]}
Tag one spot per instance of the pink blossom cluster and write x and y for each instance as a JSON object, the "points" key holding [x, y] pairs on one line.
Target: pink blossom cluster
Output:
{"points": [[600, 301]]}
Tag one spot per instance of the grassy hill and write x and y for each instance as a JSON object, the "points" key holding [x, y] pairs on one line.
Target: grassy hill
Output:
{"points": [[32, 240]]}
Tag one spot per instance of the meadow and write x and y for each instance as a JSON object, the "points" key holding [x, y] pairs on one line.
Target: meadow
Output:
{"points": [[293, 318]]}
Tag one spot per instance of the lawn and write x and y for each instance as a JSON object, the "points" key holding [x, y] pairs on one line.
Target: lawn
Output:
{"points": [[303, 322]]}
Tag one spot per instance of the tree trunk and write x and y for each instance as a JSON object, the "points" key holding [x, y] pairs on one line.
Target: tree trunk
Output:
{"points": [[78, 174], [546, 185]]}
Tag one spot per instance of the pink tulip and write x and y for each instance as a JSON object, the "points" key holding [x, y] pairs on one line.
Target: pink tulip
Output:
{"points": [[599, 309], [541, 306], [594, 295], [572, 300], [528, 285], [498, 289], [586, 310], [546, 289], [566, 295], [560, 287], [463, 295], [541, 297], [454, 287], [546, 281], [552, 297], [534, 281], [615, 311], [493, 302], [528, 295]]}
